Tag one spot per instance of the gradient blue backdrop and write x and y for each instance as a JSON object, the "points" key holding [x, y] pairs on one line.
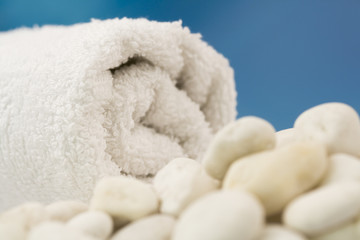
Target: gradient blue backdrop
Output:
{"points": [[287, 55]]}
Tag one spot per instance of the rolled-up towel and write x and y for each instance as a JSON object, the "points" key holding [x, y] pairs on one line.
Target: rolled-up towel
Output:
{"points": [[120, 96]]}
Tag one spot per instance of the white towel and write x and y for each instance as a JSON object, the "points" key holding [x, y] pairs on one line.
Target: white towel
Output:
{"points": [[120, 96]]}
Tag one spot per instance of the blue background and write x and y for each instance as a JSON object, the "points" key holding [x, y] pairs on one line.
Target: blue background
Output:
{"points": [[288, 55]]}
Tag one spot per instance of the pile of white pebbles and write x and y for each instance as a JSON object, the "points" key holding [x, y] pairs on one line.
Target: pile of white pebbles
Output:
{"points": [[253, 184]]}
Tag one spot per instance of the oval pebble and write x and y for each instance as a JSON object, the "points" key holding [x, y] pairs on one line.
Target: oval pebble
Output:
{"points": [[65, 210], [245, 136], [125, 199], [277, 176], [53, 230], [278, 232], [220, 215], [324, 209], [347, 232], [180, 182], [335, 124], [12, 231], [95, 223], [285, 137], [26, 215], [155, 227], [343, 167]]}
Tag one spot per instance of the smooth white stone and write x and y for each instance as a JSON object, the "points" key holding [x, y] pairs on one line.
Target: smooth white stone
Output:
{"points": [[155, 227], [285, 137], [26, 215], [12, 231], [220, 215], [277, 176], [343, 167], [347, 232], [180, 182], [65, 210], [245, 136], [53, 230], [279, 232], [335, 124], [324, 209], [95, 223], [124, 198]]}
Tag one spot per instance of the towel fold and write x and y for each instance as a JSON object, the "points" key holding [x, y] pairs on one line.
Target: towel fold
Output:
{"points": [[120, 96]]}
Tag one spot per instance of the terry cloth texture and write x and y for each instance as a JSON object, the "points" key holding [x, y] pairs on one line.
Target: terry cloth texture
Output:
{"points": [[120, 96]]}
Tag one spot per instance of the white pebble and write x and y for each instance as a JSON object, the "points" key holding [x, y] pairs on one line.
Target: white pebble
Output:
{"points": [[95, 223], [65, 210], [277, 176], [53, 230], [245, 136], [343, 167], [155, 227], [12, 231], [180, 182], [335, 124], [323, 209], [125, 199], [285, 137], [221, 215], [278, 232], [26, 215], [348, 232]]}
